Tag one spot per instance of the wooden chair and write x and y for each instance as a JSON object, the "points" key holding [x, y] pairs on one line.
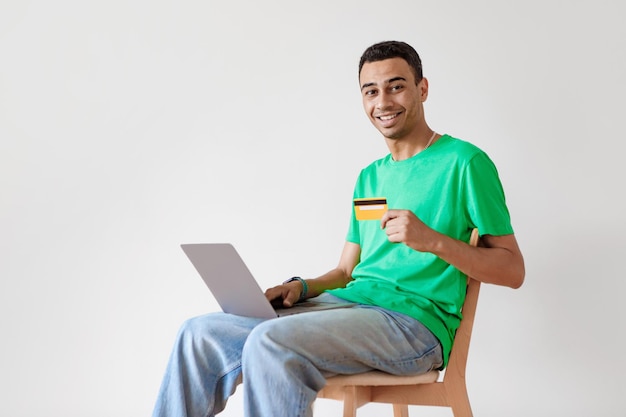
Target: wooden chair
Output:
{"points": [[427, 389]]}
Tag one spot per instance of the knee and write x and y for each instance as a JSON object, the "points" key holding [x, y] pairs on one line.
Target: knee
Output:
{"points": [[266, 340], [274, 351], [193, 332], [191, 327]]}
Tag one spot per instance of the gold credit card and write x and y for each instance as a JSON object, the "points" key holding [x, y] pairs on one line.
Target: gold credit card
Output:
{"points": [[370, 208]]}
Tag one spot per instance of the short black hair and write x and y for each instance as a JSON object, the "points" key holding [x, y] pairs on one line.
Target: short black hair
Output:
{"points": [[393, 49]]}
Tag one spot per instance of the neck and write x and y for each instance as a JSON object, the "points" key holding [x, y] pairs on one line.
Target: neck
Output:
{"points": [[406, 148]]}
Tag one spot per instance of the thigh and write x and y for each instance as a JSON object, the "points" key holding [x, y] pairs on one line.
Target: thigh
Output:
{"points": [[215, 340], [357, 339]]}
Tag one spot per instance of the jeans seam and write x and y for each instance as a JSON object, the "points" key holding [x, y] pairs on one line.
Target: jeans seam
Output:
{"points": [[219, 378]]}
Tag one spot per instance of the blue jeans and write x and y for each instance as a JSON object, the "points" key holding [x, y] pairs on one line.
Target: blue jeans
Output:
{"points": [[284, 361]]}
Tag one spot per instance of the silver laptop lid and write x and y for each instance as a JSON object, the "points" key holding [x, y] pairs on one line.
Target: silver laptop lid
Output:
{"points": [[229, 279]]}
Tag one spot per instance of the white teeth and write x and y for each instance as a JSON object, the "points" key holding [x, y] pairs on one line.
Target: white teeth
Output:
{"points": [[385, 118]]}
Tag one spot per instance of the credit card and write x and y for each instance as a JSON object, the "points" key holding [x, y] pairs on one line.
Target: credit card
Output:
{"points": [[370, 208]]}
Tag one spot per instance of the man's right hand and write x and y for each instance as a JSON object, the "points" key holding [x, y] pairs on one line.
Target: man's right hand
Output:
{"points": [[284, 295]]}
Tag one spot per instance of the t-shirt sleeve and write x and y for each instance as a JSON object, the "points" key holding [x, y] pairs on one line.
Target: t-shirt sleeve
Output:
{"points": [[353, 234], [486, 205]]}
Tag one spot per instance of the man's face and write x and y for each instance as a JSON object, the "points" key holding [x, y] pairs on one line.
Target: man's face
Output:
{"points": [[391, 99]]}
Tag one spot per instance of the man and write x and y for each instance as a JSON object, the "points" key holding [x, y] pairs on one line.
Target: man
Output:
{"points": [[405, 270]]}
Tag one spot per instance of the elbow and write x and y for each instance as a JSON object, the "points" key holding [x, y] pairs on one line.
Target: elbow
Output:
{"points": [[517, 279], [517, 282], [517, 271]]}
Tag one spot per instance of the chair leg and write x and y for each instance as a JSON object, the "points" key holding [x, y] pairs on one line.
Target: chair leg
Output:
{"points": [[400, 410], [459, 402], [353, 398], [349, 408]]}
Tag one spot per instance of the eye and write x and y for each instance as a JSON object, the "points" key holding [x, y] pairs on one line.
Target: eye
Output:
{"points": [[370, 92], [397, 87]]}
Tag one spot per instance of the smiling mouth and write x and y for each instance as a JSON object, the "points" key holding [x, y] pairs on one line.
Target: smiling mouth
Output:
{"points": [[387, 117]]}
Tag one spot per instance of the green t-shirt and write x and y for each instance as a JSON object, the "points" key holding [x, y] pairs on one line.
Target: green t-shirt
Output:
{"points": [[453, 187]]}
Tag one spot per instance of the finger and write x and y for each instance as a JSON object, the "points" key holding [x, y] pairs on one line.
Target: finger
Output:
{"points": [[395, 237], [275, 292], [395, 233], [389, 215], [271, 293], [291, 298], [393, 225]]}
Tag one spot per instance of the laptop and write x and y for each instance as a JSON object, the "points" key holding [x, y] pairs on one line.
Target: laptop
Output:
{"points": [[234, 287]]}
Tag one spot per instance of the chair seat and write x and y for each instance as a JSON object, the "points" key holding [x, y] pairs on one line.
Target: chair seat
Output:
{"points": [[378, 378]]}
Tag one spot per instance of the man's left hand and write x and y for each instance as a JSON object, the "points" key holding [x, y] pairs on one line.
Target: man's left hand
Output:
{"points": [[403, 226]]}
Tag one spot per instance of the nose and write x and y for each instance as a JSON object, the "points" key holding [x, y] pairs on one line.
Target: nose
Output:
{"points": [[384, 100]]}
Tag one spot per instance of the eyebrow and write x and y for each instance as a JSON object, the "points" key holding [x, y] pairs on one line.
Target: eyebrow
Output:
{"points": [[389, 81]]}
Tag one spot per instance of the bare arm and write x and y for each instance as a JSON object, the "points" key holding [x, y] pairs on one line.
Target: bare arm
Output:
{"points": [[498, 260], [335, 278]]}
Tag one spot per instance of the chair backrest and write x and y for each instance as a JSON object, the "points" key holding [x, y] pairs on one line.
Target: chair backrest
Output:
{"points": [[458, 354]]}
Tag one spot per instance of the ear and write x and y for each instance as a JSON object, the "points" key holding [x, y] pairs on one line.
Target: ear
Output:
{"points": [[422, 87]]}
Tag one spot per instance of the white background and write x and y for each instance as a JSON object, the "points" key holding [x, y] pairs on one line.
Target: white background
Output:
{"points": [[129, 127]]}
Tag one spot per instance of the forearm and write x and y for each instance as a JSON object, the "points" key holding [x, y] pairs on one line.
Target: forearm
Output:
{"points": [[339, 276], [336, 278], [497, 260]]}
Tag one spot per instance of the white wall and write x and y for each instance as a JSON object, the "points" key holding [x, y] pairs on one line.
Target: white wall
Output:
{"points": [[129, 127]]}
